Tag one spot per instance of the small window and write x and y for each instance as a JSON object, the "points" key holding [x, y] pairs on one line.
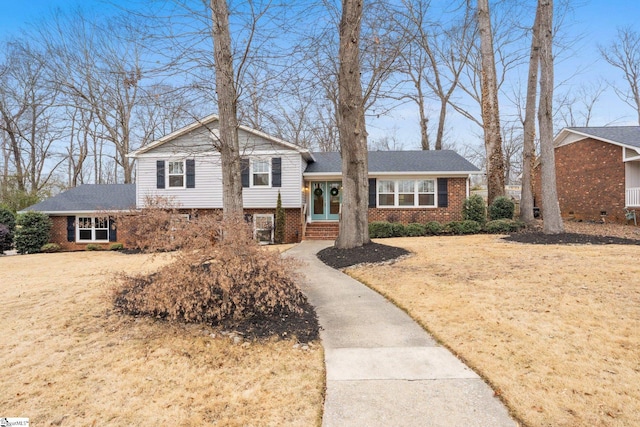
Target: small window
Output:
{"points": [[426, 193], [176, 174], [386, 193], [260, 173], [263, 228], [406, 193], [93, 229]]}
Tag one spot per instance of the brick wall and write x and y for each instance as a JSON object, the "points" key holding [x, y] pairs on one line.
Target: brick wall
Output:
{"points": [[457, 196], [590, 179]]}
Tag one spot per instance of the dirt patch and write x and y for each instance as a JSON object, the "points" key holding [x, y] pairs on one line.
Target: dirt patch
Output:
{"points": [[368, 254]]}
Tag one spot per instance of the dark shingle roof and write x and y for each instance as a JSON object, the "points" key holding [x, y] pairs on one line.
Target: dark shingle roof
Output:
{"points": [[398, 161], [626, 135], [90, 197]]}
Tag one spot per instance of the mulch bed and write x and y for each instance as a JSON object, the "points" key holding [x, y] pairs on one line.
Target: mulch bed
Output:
{"points": [[370, 253], [539, 238]]}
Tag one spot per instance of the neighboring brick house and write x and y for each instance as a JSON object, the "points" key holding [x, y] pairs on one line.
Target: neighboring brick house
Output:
{"points": [[597, 172], [404, 186]]}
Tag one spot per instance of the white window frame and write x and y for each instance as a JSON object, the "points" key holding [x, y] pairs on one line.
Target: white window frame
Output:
{"points": [[256, 229], [411, 184], [416, 193], [252, 173], [93, 229], [183, 174]]}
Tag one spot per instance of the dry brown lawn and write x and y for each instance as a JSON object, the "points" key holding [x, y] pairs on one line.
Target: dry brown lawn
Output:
{"points": [[554, 329], [67, 359]]}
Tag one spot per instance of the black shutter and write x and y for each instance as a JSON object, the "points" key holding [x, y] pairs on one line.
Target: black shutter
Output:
{"points": [[71, 229], [160, 174], [113, 231], [191, 173], [443, 192], [276, 172], [244, 168], [372, 193]]}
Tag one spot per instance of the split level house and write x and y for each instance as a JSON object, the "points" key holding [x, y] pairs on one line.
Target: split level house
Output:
{"points": [[404, 186], [597, 173]]}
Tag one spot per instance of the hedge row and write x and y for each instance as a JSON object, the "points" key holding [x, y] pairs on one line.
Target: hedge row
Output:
{"points": [[383, 229]]}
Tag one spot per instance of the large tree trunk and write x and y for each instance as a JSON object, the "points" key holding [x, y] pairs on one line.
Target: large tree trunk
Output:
{"points": [[552, 219], [490, 112], [227, 110], [354, 225], [528, 149]]}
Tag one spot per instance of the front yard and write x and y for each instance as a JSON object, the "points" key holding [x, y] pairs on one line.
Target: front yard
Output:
{"points": [[555, 329], [68, 359]]}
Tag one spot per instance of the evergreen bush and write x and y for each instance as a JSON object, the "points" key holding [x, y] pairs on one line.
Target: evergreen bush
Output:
{"points": [[380, 230], [433, 227], [503, 226], [50, 248], [116, 247], [32, 232], [474, 209], [415, 229], [7, 229], [501, 208], [280, 221], [463, 227], [398, 229]]}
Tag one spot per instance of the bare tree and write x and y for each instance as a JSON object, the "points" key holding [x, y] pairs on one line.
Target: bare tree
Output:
{"points": [[552, 219], [624, 54], [577, 105], [354, 225], [490, 112]]}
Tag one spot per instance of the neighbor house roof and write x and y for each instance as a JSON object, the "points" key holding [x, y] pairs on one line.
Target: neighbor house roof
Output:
{"points": [[398, 162], [89, 198], [619, 135]]}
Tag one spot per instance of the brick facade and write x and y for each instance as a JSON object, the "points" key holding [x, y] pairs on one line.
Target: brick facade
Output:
{"points": [[457, 193], [59, 236], [590, 179]]}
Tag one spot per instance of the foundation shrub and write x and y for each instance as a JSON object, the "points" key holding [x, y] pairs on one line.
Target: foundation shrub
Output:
{"points": [[380, 230], [501, 208], [474, 209], [32, 232], [116, 247], [50, 248], [433, 228], [463, 227], [398, 229], [93, 247], [503, 226], [225, 277], [415, 230]]}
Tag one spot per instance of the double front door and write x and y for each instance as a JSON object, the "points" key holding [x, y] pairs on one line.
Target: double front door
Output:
{"points": [[325, 200]]}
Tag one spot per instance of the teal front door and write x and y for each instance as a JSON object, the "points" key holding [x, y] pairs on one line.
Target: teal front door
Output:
{"points": [[326, 197]]}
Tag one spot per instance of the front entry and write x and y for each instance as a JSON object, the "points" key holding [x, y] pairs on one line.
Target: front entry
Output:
{"points": [[325, 200]]}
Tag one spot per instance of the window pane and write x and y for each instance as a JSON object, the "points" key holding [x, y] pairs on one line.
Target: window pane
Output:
{"points": [[102, 223], [85, 234], [385, 187], [261, 179], [405, 199], [84, 222], [176, 168], [385, 200], [426, 200], [426, 186], [261, 166], [406, 186], [102, 235], [176, 181]]}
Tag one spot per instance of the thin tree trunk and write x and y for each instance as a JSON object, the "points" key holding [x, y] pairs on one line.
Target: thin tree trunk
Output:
{"points": [[227, 110], [552, 219], [490, 112], [441, 121], [354, 225], [528, 149]]}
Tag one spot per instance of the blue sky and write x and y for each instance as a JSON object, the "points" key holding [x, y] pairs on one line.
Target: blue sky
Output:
{"points": [[595, 20]]}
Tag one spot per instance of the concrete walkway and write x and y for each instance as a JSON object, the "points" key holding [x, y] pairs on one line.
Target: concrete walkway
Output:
{"points": [[383, 369]]}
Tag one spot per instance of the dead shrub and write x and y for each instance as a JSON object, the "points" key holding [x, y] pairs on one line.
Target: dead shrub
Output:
{"points": [[220, 275]]}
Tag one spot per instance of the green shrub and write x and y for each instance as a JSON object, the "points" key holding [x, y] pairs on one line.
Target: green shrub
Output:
{"points": [[398, 229], [463, 227], [433, 227], [280, 222], [474, 209], [380, 230], [7, 229], [503, 226], [32, 232], [50, 248], [501, 208], [93, 247], [415, 229], [116, 247]]}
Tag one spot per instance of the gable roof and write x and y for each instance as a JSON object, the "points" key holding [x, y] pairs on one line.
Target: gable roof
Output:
{"points": [[626, 136], [214, 118], [89, 198], [400, 162]]}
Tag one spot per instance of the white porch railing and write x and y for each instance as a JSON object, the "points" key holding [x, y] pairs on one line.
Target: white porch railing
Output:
{"points": [[632, 197]]}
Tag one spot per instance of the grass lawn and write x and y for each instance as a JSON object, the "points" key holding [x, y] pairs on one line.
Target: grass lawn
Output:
{"points": [[555, 329], [67, 359]]}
